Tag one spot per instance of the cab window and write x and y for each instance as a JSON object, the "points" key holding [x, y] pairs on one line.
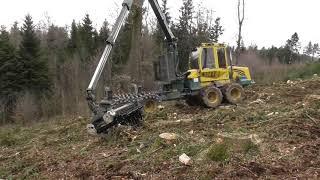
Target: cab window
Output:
{"points": [[194, 64], [193, 60], [207, 58], [222, 58]]}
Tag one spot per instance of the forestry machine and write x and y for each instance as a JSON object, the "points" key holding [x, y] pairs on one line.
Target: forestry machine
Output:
{"points": [[211, 78]]}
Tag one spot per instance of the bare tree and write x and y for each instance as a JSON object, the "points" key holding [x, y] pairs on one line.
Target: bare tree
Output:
{"points": [[240, 20]]}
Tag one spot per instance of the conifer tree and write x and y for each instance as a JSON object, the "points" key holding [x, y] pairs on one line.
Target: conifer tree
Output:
{"points": [[216, 30], [184, 32], [15, 35], [308, 49], [87, 39], [122, 47], [35, 70], [9, 66], [10, 75], [292, 49], [293, 43], [103, 34], [74, 37], [202, 33], [312, 50], [315, 50]]}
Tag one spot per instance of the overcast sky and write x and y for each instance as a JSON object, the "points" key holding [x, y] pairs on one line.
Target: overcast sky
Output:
{"points": [[267, 22]]}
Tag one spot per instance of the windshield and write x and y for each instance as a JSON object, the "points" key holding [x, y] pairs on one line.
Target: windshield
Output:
{"points": [[222, 58], [207, 58]]}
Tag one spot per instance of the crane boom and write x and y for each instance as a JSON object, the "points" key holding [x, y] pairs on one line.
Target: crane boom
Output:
{"points": [[126, 6], [162, 21]]}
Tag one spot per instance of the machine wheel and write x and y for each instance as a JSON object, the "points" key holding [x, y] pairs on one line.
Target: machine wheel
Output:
{"points": [[212, 97], [150, 106], [234, 93]]}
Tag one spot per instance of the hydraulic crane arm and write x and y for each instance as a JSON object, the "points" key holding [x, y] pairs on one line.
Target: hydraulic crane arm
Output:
{"points": [[173, 65], [162, 21], [126, 6]]}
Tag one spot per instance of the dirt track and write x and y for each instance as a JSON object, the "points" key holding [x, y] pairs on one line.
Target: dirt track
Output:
{"points": [[274, 133]]}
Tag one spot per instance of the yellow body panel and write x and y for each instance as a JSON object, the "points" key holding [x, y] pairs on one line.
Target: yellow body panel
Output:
{"points": [[241, 71], [194, 73], [214, 74]]}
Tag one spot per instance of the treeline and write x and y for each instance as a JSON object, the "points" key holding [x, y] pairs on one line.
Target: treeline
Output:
{"points": [[290, 53], [44, 71]]}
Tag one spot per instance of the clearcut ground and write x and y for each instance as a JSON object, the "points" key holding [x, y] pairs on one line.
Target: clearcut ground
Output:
{"points": [[274, 133]]}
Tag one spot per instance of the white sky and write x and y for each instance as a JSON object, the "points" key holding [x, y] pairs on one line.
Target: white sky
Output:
{"points": [[267, 22]]}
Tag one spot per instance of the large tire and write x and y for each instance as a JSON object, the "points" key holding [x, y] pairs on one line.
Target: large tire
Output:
{"points": [[234, 93], [212, 97], [150, 106]]}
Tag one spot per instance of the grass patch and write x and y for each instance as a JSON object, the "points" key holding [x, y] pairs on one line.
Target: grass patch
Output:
{"points": [[8, 139], [265, 74], [219, 152], [250, 147], [191, 150], [22, 168], [304, 72], [31, 172], [160, 115], [256, 117], [173, 152], [13, 136]]}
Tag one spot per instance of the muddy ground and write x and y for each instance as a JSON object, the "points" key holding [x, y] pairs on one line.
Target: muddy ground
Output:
{"points": [[274, 133]]}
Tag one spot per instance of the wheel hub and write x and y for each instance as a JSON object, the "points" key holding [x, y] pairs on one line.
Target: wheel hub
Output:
{"points": [[235, 93], [213, 97]]}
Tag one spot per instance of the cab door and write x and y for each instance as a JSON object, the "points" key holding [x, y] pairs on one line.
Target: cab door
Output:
{"points": [[210, 68]]}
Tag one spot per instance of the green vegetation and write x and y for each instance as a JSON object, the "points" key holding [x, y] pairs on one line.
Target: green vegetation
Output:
{"points": [[305, 71], [282, 72], [250, 147], [13, 136], [219, 152], [8, 139], [255, 117]]}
